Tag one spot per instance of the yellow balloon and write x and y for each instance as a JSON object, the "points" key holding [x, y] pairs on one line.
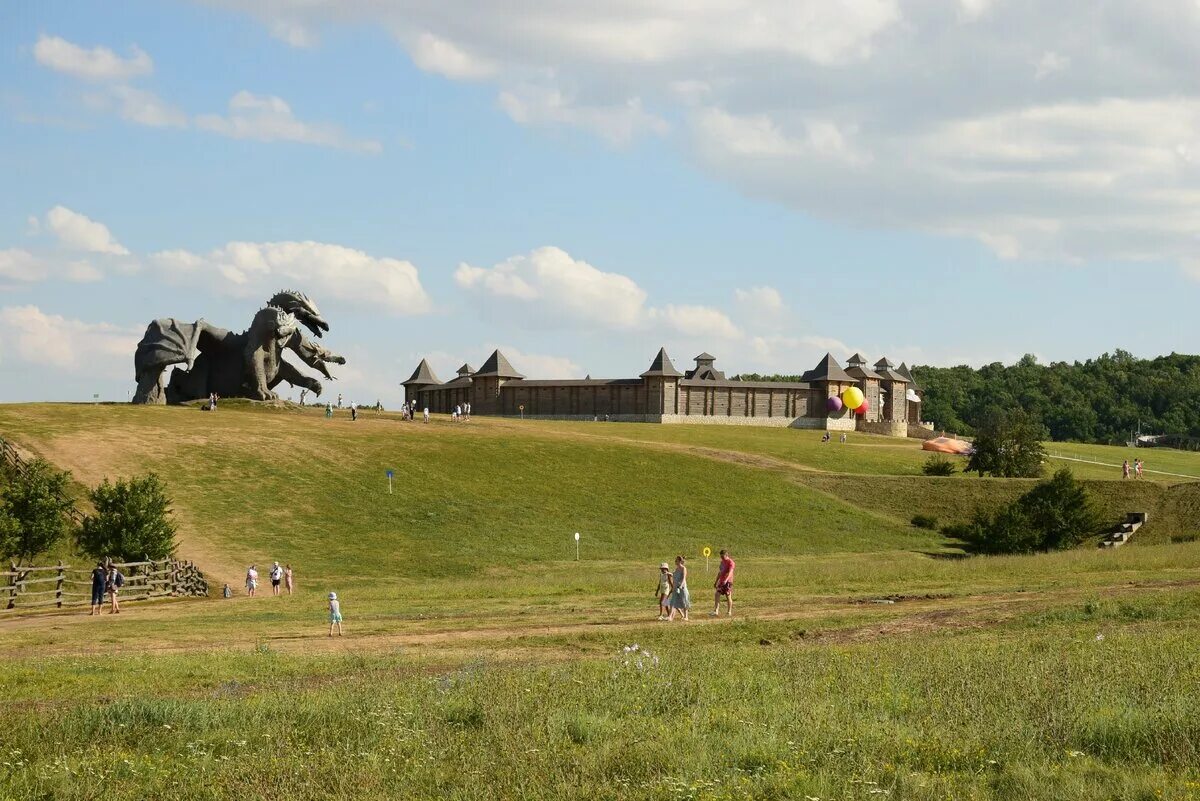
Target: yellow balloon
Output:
{"points": [[852, 398]]}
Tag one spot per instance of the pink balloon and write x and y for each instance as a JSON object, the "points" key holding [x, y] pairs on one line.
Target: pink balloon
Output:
{"points": [[834, 404], [861, 410]]}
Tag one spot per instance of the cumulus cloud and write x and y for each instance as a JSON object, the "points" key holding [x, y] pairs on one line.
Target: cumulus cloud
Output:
{"points": [[94, 349], [846, 110], [21, 265], [759, 301], [91, 64], [435, 54], [267, 118], [138, 106], [698, 322], [535, 365], [323, 270], [79, 232]]}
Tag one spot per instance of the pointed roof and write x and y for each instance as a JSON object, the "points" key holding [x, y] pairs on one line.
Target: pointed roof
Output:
{"points": [[498, 366], [706, 357], [856, 360], [422, 376], [860, 371], [888, 370], [661, 366], [466, 369], [827, 370], [904, 371], [884, 364]]}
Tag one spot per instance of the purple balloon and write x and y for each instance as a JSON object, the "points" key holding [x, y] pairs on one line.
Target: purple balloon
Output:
{"points": [[834, 404]]}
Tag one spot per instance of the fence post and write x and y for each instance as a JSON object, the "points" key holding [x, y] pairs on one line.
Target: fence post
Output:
{"points": [[58, 587], [12, 580], [174, 577]]}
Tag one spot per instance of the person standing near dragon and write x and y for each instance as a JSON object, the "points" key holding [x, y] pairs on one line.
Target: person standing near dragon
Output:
{"points": [[246, 365]]}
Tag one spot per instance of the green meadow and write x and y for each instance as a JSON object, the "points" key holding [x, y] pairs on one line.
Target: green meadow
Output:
{"points": [[868, 658]]}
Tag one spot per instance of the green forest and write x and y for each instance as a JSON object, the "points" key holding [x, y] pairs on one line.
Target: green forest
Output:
{"points": [[1100, 400]]}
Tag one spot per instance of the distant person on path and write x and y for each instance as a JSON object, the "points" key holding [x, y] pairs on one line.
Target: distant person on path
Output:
{"points": [[843, 437], [426, 414], [116, 580], [335, 614], [353, 413], [1125, 469], [681, 600], [303, 392], [826, 437], [664, 591], [1137, 468], [276, 578], [328, 411], [339, 400], [227, 591], [251, 581], [287, 578], [468, 411], [99, 585], [724, 584]]}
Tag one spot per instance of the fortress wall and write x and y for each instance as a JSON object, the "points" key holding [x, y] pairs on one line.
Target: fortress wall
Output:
{"points": [[884, 427]]}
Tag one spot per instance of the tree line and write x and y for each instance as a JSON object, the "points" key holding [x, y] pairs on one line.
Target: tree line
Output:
{"points": [[1099, 400]]}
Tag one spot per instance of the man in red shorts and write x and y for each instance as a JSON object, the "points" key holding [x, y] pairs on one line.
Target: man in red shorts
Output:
{"points": [[724, 585]]}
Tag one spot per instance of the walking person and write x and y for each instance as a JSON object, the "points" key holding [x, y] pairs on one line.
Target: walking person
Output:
{"points": [[116, 580], [426, 414], [1125, 469], [251, 581], [99, 585], [287, 578], [664, 591], [353, 413], [276, 578], [328, 411], [1137, 468], [335, 614], [724, 584], [681, 600]]}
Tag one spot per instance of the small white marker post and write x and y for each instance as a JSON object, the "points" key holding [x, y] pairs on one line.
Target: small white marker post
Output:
{"points": [[576, 546], [389, 475]]}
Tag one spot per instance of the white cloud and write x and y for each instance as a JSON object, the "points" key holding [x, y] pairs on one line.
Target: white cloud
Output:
{"points": [[79, 232], [759, 301], [320, 269], [435, 54], [267, 118], [91, 64], [139, 106], [96, 349], [618, 123], [699, 322], [1050, 63], [21, 265], [560, 286], [293, 33]]}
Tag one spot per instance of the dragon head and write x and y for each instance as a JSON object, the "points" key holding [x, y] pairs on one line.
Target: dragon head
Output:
{"points": [[314, 355], [305, 311]]}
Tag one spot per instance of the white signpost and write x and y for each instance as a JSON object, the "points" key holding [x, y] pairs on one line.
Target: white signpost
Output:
{"points": [[389, 475], [576, 546]]}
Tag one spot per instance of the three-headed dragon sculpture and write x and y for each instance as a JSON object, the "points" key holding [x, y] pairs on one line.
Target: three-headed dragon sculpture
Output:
{"points": [[245, 365]]}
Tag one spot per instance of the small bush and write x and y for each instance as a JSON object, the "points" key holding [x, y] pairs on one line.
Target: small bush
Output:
{"points": [[938, 465], [33, 510], [925, 521], [132, 520]]}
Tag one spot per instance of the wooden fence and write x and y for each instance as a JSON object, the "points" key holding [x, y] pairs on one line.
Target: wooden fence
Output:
{"points": [[62, 586]]}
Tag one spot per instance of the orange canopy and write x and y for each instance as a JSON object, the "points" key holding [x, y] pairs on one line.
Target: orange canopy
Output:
{"points": [[947, 445]]}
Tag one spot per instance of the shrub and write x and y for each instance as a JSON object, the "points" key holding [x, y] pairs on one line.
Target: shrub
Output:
{"points": [[132, 520], [938, 465], [1054, 515], [925, 521], [33, 510], [1009, 445]]}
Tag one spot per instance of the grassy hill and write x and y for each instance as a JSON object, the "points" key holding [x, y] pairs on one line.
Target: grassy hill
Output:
{"points": [[483, 661]]}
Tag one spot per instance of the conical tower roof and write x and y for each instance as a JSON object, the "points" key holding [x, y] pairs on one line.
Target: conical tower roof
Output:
{"points": [[907, 374], [466, 369], [498, 366], [828, 370], [856, 360], [422, 376], [661, 366]]}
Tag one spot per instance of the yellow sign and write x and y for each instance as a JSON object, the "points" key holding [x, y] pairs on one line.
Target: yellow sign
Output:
{"points": [[707, 552]]}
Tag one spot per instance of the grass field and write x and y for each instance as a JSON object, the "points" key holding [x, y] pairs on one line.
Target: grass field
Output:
{"points": [[482, 661]]}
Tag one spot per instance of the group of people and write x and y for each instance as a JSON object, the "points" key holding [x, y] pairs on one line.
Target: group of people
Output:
{"points": [[674, 597], [281, 578], [461, 411], [1137, 468], [409, 411], [106, 580], [828, 436]]}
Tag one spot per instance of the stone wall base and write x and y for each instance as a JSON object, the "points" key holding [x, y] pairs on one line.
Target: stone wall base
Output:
{"points": [[921, 430], [838, 423], [883, 427]]}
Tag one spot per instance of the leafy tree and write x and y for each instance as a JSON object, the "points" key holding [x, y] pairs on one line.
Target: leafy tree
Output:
{"points": [[1008, 444], [132, 520], [34, 510], [1056, 514]]}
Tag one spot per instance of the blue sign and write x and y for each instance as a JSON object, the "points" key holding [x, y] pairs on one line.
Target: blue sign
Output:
{"points": [[390, 474]]}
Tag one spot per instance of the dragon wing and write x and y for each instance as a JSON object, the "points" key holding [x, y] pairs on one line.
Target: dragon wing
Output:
{"points": [[167, 341]]}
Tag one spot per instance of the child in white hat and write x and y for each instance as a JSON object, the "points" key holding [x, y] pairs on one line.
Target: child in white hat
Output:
{"points": [[335, 614], [663, 592]]}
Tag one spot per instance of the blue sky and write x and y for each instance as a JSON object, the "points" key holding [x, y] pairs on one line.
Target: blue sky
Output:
{"points": [[939, 182]]}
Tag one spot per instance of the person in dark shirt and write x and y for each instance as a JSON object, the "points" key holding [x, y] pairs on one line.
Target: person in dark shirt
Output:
{"points": [[99, 583]]}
